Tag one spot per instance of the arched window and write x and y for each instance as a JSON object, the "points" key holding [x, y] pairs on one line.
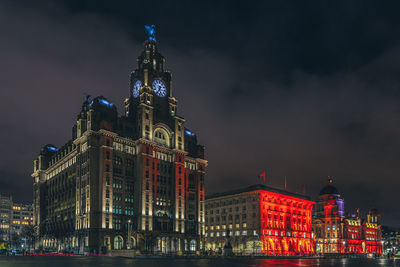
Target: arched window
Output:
{"points": [[118, 242], [161, 137]]}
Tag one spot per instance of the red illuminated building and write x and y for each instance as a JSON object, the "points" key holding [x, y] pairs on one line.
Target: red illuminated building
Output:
{"points": [[336, 233], [286, 224], [260, 219]]}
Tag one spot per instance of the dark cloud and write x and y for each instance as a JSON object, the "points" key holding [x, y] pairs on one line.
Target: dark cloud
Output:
{"points": [[302, 90]]}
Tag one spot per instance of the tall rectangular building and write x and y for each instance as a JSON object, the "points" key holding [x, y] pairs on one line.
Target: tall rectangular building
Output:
{"points": [[260, 219], [13, 218], [124, 182]]}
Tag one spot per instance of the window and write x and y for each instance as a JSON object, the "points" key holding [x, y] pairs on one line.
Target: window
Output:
{"points": [[161, 137], [118, 242]]}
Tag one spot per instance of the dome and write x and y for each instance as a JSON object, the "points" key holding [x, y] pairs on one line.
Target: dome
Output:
{"points": [[329, 189], [49, 148]]}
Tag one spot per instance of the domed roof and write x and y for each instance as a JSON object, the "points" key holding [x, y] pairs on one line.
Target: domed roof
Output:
{"points": [[329, 189], [49, 148]]}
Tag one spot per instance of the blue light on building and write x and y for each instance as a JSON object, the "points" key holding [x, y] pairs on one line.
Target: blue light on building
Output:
{"points": [[187, 132], [151, 31], [105, 103], [52, 148]]}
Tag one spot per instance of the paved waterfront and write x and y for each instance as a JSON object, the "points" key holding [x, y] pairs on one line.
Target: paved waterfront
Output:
{"points": [[61, 261]]}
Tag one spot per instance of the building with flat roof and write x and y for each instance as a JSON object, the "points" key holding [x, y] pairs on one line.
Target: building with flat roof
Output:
{"points": [[13, 218], [259, 220]]}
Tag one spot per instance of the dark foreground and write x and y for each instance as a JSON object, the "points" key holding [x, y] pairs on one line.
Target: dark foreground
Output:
{"points": [[64, 261]]}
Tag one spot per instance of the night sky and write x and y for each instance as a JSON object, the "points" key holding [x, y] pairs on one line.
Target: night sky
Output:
{"points": [[306, 89]]}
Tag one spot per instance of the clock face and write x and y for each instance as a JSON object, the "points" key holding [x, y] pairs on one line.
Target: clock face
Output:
{"points": [[159, 88], [136, 88]]}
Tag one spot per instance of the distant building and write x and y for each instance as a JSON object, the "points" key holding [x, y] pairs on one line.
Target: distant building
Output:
{"points": [[13, 217], [5, 217], [134, 181], [336, 233], [391, 239], [260, 219]]}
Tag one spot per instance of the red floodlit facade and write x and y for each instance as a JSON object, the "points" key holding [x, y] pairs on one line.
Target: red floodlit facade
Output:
{"points": [[259, 220], [361, 237], [286, 224], [334, 233]]}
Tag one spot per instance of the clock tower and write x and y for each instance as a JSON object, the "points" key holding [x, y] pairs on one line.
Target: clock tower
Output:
{"points": [[172, 191], [134, 181]]}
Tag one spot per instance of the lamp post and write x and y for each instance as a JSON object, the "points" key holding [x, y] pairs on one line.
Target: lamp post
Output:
{"points": [[344, 246]]}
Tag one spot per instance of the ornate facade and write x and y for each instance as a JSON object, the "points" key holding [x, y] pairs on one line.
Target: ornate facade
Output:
{"points": [[260, 220], [124, 182], [336, 233]]}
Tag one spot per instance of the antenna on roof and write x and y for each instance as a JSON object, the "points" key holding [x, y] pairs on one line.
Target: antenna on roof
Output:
{"points": [[285, 183]]}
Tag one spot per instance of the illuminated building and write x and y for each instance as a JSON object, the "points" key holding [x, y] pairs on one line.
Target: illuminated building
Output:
{"points": [[13, 217], [260, 219], [328, 222], [335, 233], [124, 182], [391, 239]]}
